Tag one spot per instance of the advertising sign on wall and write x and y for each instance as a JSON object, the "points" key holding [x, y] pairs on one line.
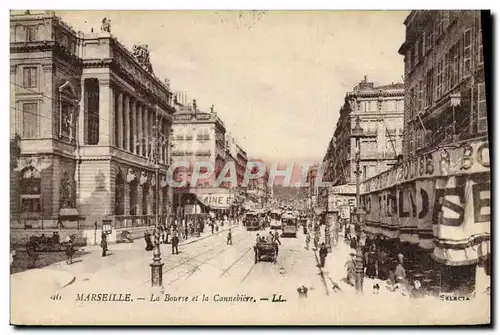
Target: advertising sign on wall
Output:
{"points": [[448, 212]]}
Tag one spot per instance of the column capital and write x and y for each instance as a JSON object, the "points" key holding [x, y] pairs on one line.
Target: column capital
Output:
{"points": [[104, 82]]}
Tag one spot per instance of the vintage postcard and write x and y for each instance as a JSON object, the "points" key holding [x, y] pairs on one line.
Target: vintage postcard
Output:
{"points": [[250, 167]]}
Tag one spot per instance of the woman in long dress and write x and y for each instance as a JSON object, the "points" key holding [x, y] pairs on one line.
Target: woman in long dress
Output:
{"points": [[147, 239]]}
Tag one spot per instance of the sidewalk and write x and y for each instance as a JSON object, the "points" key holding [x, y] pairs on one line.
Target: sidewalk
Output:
{"points": [[335, 271]]}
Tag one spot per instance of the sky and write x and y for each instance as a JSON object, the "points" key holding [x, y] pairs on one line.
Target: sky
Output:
{"points": [[276, 78]]}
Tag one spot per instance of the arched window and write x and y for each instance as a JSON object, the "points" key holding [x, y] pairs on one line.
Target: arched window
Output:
{"points": [[30, 190], [133, 196], [120, 194]]}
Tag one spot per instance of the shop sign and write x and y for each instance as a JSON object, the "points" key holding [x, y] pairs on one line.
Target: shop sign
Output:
{"points": [[217, 200], [469, 158], [183, 117], [202, 116]]}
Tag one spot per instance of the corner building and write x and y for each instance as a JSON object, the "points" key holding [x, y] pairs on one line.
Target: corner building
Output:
{"points": [[88, 116]]}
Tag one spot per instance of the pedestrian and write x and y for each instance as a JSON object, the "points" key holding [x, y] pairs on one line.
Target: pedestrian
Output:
{"points": [[400, 271], [69, 250], [371, 262], [186, 231], [308, 240], [229, 238], [350, 266], [147, 239], [383, 264], [323, 252], [270, 237], [104, 244], [175, 242], [316, 240], [277, 237]]}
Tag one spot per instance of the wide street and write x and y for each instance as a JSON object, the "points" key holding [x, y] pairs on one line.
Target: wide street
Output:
{"points": [[209, 268]]}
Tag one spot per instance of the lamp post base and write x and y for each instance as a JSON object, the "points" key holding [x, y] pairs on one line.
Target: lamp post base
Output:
{"points": [[156, 274], [359, 270]]}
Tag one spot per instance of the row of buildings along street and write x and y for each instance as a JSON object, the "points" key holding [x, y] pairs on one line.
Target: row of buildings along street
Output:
{"points": [[402, 152]]}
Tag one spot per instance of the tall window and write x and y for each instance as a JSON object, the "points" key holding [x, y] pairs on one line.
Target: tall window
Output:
{"points": [[30, 190], [30, 33], [30, 120], [455, 64], [440, 78], [412, 102], [408, 60], [429, 39], [417, 51], [145, 192], [420, 96], [429, 88], [120, 195], [480, 44], [467, 44], [30, 77], [482, 120]]}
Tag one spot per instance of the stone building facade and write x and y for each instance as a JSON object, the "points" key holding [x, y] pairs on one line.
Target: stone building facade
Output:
{"points": [[201, 137], [445, 99], [380, 111], [91, 118]]}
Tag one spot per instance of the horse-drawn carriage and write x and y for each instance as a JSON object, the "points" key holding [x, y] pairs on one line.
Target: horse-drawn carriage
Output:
{"points": [[266, 249], [43, 243]]}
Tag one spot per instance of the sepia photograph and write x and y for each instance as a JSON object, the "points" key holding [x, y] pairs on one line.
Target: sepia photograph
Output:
{"points": [[250, 167]]}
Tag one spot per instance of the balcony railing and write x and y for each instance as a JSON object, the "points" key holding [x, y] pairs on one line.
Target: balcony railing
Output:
{"points": [[203, 153], [202, 137], [370, 133]]}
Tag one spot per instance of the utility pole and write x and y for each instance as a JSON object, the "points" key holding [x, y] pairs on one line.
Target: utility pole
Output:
{"points": [[157, 265], [357, 133]]}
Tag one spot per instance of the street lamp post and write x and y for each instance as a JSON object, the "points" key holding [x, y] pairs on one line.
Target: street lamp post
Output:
{"points": [[157, 265], [357, 133], [156, 143]]}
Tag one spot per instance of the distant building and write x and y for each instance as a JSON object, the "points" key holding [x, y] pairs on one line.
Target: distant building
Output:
{"points": [[445, 97], [202, 137], [380, 110]]}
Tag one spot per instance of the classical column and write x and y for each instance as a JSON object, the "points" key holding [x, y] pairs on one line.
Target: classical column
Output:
{"points": [[145, 124], [139, 129], [106, 114], [151, 129], [82, 134], [161, 131], [126, 111], [133, 126], [119, 113]]}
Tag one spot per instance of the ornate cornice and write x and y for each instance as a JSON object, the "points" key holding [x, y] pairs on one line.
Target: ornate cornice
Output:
{"points": [[140, 86], [25, 47], [97, 63]]}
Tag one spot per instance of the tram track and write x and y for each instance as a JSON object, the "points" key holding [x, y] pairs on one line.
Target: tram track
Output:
{"points": [[192, 271], [193, 258]]}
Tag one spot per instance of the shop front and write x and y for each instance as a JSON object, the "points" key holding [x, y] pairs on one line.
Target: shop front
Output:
{"points": [[435, 210]]}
